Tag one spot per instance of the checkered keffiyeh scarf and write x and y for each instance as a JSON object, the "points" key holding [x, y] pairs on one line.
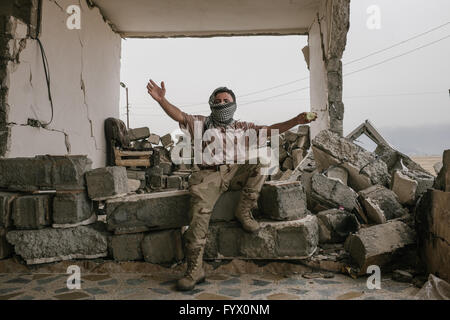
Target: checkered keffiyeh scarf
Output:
{"points": [[221, 114]]}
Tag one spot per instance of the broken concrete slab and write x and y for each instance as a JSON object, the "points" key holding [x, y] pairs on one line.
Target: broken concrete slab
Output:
{"points": [[424, 180], [396, 160], [379, 244], [283, 200], [31, 212], [44, 173], [163, 247], [138, 133], [432, 221], [329, 193], [443, 178], [337, 173], [295, 239], [166, 140], [103, 183], [5, 248], [143, 212], [404, 187], [154, 139], [335, 225], [363, 168], [71, 208], [6, 200], [127, 247], [39, 246], [381, 204]]}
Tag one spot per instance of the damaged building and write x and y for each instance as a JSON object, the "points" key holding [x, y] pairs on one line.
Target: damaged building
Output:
{"points": [[76, 183]]}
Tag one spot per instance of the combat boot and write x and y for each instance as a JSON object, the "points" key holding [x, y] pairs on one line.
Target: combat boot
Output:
{"points": [[194, 272], [244, 214]]}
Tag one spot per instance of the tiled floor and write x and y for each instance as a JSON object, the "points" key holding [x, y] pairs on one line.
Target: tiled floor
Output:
{"points": [[138, 286]]}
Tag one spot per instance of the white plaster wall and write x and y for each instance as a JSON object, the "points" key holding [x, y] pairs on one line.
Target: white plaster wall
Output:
{"points": [[85, 76], [318, 82]]}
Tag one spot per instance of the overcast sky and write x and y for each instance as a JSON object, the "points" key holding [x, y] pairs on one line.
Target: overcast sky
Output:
{"points": [[409, 93]]}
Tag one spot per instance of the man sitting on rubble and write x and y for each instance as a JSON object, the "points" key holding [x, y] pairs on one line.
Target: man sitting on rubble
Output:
{"points": [[207, 184]]}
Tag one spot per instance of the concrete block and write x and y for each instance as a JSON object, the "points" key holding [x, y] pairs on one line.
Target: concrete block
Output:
{"points": [[143, 212], [381, 204], [44, 173], [404, 187], [288, 163], [163, 246], [71, 208], [6, 200], [32, 212], [380, 244], [158, 182], [335, 225], [138, 133], [338, 173], [330, 193], [154, 139], [51, 245], [166, 140], [424, 180], [282, 200], [5, 248], [432, 223], [133, 185], [135, 174], [295, 239], [297, 156], [127, 247], [443, 178], [174, 182], [103, 183], [364, 170]]}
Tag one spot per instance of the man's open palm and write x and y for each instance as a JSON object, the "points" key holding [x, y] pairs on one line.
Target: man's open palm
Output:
{"points": [[155, 91]]}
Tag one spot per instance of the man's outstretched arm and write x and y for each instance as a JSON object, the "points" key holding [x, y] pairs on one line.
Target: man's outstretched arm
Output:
{"points": [[158, 93], [286, 125]]}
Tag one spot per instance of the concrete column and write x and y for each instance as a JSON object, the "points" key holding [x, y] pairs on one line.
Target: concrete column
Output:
{"points": [[326, 42]]}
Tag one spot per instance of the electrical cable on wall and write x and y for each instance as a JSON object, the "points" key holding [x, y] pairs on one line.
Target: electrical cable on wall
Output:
{"points": [[35, 122]]}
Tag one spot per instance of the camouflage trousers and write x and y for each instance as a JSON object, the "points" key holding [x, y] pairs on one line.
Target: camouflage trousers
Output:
{"points": [[206, 186]]}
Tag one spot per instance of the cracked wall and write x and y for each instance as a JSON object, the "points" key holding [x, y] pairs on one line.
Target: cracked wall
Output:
{"points": [[84, 77], [326, 45]]}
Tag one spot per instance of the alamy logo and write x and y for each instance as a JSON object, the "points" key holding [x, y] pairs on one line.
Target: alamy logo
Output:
{"points": [[374, 20], [74, 20], [374, 281]]}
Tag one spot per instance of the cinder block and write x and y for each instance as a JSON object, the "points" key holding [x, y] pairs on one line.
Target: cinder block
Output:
{"points": [[138, 133], [103, 183], [329, 193], [6, 200], [154, 139], [296, 239], [404, 187], [143, 212], [225, 206], [44, 173], [163, 246], [282, 200], [32, 212], [71, 208], [166, 140], [127, 247]]}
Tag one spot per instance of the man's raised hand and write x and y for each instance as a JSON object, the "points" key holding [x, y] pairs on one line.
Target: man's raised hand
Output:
{"points": [[306, 117], [155, 91]]}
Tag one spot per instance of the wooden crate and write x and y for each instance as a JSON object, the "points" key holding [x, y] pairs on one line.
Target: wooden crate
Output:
{"points": [[132, 158]]}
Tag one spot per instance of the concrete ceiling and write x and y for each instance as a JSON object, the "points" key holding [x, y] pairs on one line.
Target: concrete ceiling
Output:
{"points": [[205, 18]]}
